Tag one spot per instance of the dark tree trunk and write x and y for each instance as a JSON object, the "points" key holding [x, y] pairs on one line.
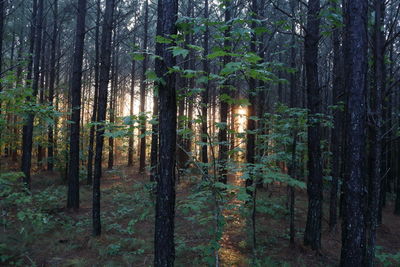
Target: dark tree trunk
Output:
{"points": [[53, 61], [96, 93], [204, 95], [293, 103], [41, 89], [336, 144], [164, 250], [76, 83], [375, 132], [224, 106], [356, 42], [312, 234], [251, 135], [132, 95], [105, 63], [2, 20], [35, 49], [113, 101], [142, 159]]}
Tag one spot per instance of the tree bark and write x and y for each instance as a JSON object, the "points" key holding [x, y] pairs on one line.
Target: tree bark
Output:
{"points": [[53, 61], [312, 234], [76, 83], [164, 250], [336, 144], [105, 63], [142, 159], [205, 93], [356, 62], [132, 96], [224, 106], [35, 49], [375, 133], [2, 20]]}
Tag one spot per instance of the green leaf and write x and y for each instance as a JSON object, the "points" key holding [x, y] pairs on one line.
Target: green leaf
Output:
{"points": [[179, 51]]}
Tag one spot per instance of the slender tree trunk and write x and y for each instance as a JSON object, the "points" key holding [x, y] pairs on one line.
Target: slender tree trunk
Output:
{"points": [[2, 20], [41, 89], [205, 93], [224, 106], [375, 135], [312, 234], [50, 134], [142, 159], [105, 63], [336, 145], [251, 135], [164, 250], [113, 102], [35, 49], [356, 42], [96, 93], [293, 103], [76, 83], [132, 95]]}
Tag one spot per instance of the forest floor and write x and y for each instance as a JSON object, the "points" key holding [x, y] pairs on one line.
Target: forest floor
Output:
{"points": [[128, 221]]}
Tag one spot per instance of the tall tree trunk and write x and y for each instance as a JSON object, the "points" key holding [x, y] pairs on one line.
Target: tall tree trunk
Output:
{"points": [[312, 234], [2, 20], [113, 102], [53, 61], [76, 83], [224, 106], [356, 62], [142, 159], [105, 63], [375, 132], [252, 112], [41, 89], [164, 250], [35, 49], [205, 93], [251, 127], [132, 95], [96, 93], [293, 103], [336, 144]]}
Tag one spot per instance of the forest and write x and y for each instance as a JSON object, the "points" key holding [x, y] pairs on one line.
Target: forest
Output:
{"points": [[200, 133]]}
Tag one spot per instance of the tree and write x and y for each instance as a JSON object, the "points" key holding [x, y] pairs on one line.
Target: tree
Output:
{"points": [[312, 234], [2, 20], [105, 64], [205, 93], [96, 93], [356, 62], [336, 142], [76, 83], [33, 69], [375, 153], [224, 106], [132, 95], [142, 160], [53, 61], [164, 250]]}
